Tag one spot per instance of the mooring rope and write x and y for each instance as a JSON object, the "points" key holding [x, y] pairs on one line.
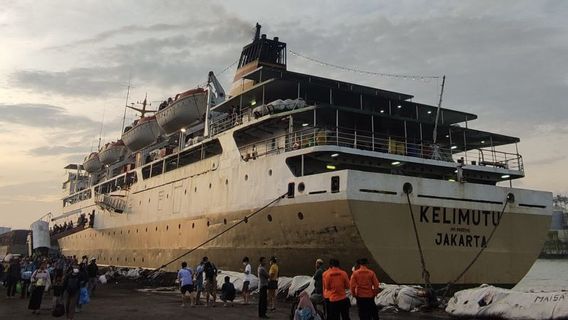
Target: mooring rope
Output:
{"points": [[509, 199], [407, 188], [245, 219]]}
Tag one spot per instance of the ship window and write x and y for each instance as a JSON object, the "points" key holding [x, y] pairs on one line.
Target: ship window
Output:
{"points": [[189, 156], [142, 259], [208, 223], [301, 187], [300, 216], [291, 187], [246, 177], [226, 181], [167, 227], [171, 163], [193, 226], [335, 184], [211, 149], [156, 228], [270, 172], [269, 217], [224, 221], [146, 172], [210, 186], [157, 168], [195, 189]]}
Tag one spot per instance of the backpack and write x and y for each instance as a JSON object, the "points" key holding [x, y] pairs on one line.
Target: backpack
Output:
{"points": [[210, 270], [58, 311]]}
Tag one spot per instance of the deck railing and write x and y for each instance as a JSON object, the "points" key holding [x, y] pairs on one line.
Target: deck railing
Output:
{"points": [[376, 142]]}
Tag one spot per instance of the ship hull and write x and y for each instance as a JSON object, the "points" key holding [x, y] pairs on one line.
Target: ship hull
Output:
{"points": [[343, 229]]}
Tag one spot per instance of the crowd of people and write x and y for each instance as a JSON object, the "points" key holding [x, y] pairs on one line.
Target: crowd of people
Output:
{"points": [[62, 277], [331, 285], [82, 221]]}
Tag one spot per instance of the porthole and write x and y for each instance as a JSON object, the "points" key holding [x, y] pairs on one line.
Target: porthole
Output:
{"points": [[136, 230], [179, 226], [208, 223], [128, 231], [114, 233], [134, 259], [120, 231], [301, 187], [246, 219], [269, 217], [185, 191], [140, 202], [146, 229], [148, 200], [226, 181], [213, 165], [192, 225], [125, 259], [156, 228], [209, 186], [167, 227], [270, 172], [195, 190], [300, 216], [224, 221], [167, 196], [142, 259], [246, 177]]}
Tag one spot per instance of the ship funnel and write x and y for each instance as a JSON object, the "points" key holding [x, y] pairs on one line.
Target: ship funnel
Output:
{"points": [[257, 32]]}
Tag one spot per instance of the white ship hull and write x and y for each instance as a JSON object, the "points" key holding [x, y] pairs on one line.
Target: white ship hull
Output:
{"points": [[368, 217]]}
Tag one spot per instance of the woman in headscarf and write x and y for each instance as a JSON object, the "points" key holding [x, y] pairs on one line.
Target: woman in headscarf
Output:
{"points": [[41, 281], [305, 309]]}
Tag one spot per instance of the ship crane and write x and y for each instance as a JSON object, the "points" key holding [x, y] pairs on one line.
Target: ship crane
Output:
{"points": [[215, 95]]}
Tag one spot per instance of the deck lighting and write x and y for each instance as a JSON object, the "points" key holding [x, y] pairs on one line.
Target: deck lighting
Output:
{"points": [[183, 130], [447, 136], [454, 147], [505, 176], [335, 155], [399, 106], [253, 102], [395, 163], [382, 111], [482, 141], [330, 167], [429, 112], [451, 180], [305, 124]]}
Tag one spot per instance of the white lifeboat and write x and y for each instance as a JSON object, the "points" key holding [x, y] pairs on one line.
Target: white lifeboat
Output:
{"points": [[92, 162], [187, 108], [112, 152], [143, 133]]}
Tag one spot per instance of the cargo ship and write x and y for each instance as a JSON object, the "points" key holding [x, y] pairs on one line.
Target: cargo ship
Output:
{"points": [[308, 167]]}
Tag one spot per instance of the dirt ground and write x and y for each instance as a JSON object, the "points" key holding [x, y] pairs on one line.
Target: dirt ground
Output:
{"points": [[126, 300]]}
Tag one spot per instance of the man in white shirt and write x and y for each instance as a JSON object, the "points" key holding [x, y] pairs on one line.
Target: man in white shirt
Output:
{"points": [[185, 278], [247, 280]]}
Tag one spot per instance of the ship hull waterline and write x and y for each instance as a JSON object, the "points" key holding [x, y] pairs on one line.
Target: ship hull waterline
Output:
{"points": [[345, 229]]}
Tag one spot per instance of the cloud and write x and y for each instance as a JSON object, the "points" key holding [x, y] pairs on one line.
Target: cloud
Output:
{"points": [[43, 116], [58, 150]]}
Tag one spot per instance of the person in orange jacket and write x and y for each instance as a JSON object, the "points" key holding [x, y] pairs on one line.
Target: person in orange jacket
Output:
{"points": [[364, 286], [335, 283]]}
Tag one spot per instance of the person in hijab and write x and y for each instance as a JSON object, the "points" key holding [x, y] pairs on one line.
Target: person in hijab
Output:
{"points": [[41, 281]]}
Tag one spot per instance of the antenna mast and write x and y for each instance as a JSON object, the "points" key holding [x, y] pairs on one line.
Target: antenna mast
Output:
{"points": [[435, 134], [126, 104], [101, 132]]}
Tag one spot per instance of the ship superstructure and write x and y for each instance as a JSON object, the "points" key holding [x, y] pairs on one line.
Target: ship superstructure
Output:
{"points": [[355, 164]]}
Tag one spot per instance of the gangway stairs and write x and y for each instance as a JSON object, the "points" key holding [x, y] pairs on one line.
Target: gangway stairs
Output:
{"points": [[110, 203]]}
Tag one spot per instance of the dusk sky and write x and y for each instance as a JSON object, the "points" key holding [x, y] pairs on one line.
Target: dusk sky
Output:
{"points": [[65, 67]]}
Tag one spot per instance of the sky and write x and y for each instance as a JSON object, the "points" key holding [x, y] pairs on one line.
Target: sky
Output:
{"points": [[65, 67]]}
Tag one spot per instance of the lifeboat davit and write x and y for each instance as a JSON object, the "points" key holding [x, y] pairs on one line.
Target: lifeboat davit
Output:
{"points": [[112, 152], [187, 108], [142, 134], [92, 162]]}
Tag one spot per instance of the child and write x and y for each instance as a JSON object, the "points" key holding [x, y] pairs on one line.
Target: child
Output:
{"points": [[228, 292]]}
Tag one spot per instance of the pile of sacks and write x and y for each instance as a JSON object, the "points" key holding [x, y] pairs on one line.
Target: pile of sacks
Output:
{"points": [[492, 302]]}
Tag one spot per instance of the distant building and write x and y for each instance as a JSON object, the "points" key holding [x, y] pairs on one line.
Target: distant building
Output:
{"points": [[14, 241]]}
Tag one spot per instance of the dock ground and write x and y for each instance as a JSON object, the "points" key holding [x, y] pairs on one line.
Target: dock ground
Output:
{"points": [[125, 300]]}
